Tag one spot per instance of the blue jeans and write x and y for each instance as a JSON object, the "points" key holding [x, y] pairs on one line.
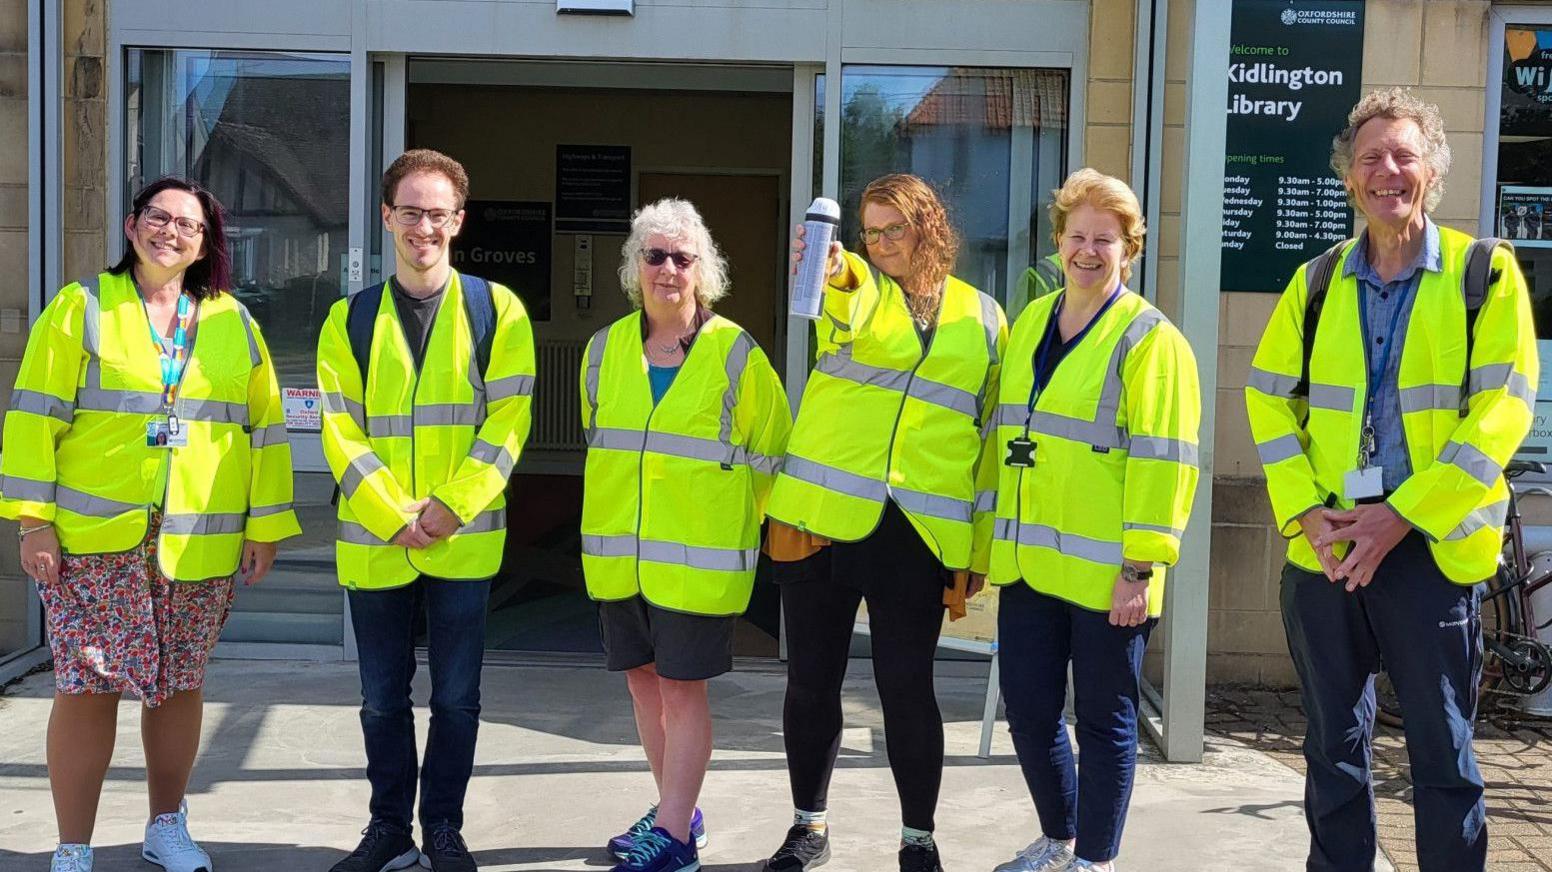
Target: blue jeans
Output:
{"points": [[1037, 636], [1427, 631], [384, 621]]}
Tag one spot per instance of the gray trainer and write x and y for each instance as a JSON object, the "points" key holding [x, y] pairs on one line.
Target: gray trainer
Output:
{"points": [[1043, 855]]}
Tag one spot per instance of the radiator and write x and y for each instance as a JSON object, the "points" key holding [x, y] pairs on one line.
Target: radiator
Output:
{"points": [[557, 405]]}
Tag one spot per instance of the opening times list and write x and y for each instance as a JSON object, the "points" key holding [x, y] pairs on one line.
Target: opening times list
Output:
{"points": [[1305, 211]]}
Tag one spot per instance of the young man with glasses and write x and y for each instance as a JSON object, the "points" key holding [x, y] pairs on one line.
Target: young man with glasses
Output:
{"points": [[427, 382]]}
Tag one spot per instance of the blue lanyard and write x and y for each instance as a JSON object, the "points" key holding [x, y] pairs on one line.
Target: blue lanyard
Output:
{"points": [[1376, 373], [1043, 350], [172, 364]]}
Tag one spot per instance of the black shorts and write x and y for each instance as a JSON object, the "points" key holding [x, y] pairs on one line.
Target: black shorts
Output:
{"points": [[684, 647]]}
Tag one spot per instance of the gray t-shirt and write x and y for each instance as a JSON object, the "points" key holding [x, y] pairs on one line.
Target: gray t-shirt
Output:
{"points": [[417, 315]]}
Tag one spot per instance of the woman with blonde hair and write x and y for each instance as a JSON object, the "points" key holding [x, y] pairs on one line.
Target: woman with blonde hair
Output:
{"points": [[686, 422], [1097, 441], [883, 498]]}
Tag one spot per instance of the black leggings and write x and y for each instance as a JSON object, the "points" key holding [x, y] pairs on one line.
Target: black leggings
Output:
{"points": [[904, 587]]}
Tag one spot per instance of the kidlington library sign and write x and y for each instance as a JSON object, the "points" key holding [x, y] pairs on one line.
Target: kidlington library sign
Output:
{"points": [[1295, 70]]}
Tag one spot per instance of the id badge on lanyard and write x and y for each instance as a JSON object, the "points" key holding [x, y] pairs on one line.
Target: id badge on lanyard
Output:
{"points": [[166, 430], [1366, 481]]}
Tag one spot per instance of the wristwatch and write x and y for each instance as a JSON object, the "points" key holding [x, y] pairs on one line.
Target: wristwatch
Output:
{"points": [[1134, 575]]}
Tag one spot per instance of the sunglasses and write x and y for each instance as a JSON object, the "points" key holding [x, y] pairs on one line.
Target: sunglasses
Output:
{"points": [[657, 256]]}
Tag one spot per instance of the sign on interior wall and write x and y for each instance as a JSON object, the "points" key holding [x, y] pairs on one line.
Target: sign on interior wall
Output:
{"points": [[508, 241], [1295, 69], [592, 188]]}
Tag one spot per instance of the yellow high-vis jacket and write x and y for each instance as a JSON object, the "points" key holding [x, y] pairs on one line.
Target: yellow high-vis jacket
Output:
{"points": [[443, 432], [883, 418], [674, 493], [1115, 457], [1308, 439], [75, 437]]}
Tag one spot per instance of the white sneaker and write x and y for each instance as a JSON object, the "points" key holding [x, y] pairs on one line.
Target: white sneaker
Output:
{"points": [[72, 858], [1091, 866], [1045, 854], [167, 844]]}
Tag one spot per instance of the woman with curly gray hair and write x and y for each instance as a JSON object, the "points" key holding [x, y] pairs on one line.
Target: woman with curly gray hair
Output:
{"points": [[686, 425], [1395, 379]]}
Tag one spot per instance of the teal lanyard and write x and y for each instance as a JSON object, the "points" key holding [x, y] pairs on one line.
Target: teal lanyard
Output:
{"points": [[172, 364]]}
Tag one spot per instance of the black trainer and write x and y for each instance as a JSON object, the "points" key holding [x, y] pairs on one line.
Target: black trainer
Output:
{"points": [[444, 851], [384, 848], [920, 858], [804, 849]]}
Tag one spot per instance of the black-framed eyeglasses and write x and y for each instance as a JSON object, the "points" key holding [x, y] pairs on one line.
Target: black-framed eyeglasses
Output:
{"points": [[156, 219], [656, 257], [409, 216], [893, 233]]}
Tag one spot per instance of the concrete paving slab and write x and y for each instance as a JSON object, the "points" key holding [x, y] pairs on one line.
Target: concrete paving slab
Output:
{"points": [[280, 784]]}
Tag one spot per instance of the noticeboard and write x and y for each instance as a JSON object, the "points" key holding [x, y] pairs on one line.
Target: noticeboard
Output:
{"points": [[508, 241], [592, 188], [1295, 70]]}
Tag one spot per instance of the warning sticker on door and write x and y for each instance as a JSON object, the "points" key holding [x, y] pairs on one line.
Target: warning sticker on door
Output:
{"points": [[304, 409]]}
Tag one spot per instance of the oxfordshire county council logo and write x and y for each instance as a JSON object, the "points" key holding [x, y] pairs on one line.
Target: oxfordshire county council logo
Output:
{"points": [[1290, 16]]}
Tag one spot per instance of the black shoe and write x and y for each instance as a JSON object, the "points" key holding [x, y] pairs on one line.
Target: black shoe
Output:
{"points": [[803, 849], [920, 858], [444, 851], [384, 847]]}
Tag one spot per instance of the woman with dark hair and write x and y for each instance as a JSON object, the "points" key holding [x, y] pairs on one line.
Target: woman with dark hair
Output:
{"points": [[146, 459], [884, 496]]}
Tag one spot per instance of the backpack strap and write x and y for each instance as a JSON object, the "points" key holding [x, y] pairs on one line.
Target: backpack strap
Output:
{"points": [[1317, 279], [1478, 277], [360, 323], [480, 307]]}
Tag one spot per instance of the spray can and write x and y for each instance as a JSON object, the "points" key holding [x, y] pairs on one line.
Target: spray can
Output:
{"points": [[820, 225]]}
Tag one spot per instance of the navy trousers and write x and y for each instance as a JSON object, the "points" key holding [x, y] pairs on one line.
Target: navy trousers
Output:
{"points": [[384, 621], [1426, 631], [1038, 636]]}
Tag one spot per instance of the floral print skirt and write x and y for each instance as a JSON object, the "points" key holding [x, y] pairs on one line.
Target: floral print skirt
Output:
{"points": [[117, 624]]}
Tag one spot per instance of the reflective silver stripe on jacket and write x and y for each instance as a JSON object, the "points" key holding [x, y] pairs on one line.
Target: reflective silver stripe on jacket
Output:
{"points": [[266, 511], [1095, 433], [254, 357], [274, 434], [1272, 384], [207, 524], [1497, 375], [336, 403], [838, 480], [1423, 398], [672, 553], [1161, 448], [385, 426], [595, 362], [1067, 544], [1109, 408], [735, 364], [1491, 515], [985, 501], [81, 503], [840, 364], [495, 455], [46, 405], [508, 387], [1334, 397], [1277, 450], [932, 505], [353, 533], [1469, 459], [1152, 528], [27, 489], [357, 471]]}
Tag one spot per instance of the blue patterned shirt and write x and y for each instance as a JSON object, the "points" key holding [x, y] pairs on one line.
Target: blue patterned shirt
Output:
{"points": [[1382, 300]]}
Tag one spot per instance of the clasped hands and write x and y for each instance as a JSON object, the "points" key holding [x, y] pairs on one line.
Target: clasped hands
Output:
{"points": [[434, 522], [1373, 529]]}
